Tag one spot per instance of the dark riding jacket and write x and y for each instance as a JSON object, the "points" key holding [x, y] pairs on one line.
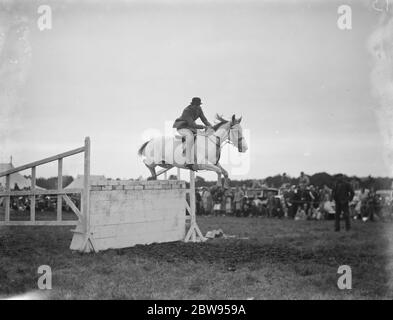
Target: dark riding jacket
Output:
{"points": [[188, 117], [343, 192]]}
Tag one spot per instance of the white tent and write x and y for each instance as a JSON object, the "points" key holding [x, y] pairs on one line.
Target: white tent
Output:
{"points": [[17, 178], [78, 182]]}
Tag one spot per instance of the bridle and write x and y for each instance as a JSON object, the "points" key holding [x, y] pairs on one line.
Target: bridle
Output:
{"points": [[228, 140]]}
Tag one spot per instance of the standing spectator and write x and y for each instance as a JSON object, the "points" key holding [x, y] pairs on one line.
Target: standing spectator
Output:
{"points": [[326, 191], [252, 206], [390, 207], [304, 180], [198, 203], [296, 199], [363, 202], [342, 195], [284, 180], [247, 205], [238, 199], [258, 206], [244, 188], [283, 204], [314, 197], [270, 204], [304, 198], [218, 196], [358, 209], [354, 207], [207, 201], [1, 190], [372, 203], [290, 199], [228, 201]]}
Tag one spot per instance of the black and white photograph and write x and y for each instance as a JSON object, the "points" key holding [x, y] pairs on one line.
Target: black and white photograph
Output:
{"points": [[224, 151]]}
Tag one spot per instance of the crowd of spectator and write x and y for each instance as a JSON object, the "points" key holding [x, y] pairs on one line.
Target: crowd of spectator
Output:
{"points": [[42, 202], [303, 201]]}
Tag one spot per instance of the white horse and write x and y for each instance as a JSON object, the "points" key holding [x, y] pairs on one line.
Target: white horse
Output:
{"points": [[168, 152]]}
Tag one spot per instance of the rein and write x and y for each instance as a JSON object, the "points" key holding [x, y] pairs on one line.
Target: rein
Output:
{"points": [[227, 140]]}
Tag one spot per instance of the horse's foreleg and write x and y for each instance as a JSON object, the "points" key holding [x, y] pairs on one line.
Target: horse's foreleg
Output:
{"points": [[219, 179], [226, 176], [152, 171], [216, 168]]}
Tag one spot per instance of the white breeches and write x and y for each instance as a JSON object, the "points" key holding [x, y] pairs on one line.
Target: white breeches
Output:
{"points": [[189, 144]]}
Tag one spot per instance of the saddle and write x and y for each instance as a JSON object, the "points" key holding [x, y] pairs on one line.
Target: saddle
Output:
{"points": [[199, 133], [183, 138], [205, 135]]}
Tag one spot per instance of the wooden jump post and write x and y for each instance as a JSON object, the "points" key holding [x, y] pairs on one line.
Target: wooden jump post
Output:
{"points": [[82, 232], [194, 234]]}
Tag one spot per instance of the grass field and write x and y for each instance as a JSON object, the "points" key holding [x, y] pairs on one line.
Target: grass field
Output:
{"points": [[268, 259]]}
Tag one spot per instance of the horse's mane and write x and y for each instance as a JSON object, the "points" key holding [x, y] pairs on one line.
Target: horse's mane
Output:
{"points": [[221, 122]]}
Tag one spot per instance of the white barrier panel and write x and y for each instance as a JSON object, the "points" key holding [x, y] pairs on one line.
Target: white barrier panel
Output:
{"points": [[126, 213]]}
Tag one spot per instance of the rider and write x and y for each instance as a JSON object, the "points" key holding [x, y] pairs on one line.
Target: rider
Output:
{"points": [[187, 127]]}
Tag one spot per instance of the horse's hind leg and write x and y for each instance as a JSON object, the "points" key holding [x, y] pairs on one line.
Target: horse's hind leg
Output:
{"points": [[152, 171]]}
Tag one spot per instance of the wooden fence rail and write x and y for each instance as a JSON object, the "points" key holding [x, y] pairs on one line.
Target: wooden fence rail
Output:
{"points": [[59, 192]]}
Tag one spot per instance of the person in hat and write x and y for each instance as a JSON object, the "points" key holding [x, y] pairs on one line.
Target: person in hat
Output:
{"points": [[187, 127]]}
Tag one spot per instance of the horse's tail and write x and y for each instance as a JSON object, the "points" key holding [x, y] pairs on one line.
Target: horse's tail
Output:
{"points": [[140, 151]]}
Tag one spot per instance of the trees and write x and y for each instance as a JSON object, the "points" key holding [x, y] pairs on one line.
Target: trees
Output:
{"points": [[51, 183]]}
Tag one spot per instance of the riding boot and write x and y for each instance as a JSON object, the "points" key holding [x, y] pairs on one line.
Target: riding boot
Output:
{"points": [[189, 152]]}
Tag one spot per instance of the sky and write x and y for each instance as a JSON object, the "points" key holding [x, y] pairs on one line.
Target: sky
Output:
{"points": [[123, 71]]}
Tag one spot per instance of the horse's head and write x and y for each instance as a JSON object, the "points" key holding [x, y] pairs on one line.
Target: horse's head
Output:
{"points": [[235, 132]]}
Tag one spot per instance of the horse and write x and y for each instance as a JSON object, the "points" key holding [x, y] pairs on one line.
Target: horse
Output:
{"points": [[168, 152]]}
